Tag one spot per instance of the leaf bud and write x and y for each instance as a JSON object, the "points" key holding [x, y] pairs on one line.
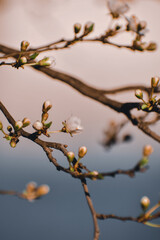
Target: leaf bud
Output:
{"points": [[145, 202], [147, 150], [82, 151], [37, 125], [24, 45], [46, 106], [18, 125], [70, 156], [139, 94], [26, 122], [77, 27]]}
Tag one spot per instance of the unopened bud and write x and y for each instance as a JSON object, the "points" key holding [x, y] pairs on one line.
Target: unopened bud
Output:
{"points": [[154, 81], [70, 156], [26, 122], [9, 128], [18, 125], [77, 27], [88, 27], [139, 94], [46, 106], [94, 173], [13, 143], [142, 25], [37, 125], [23, 60], [42, 190], [44, 117], [145, 202], [82, 151], [45, 62], [152, 46], [147, 150], [1, 125], [24, 45], [31, 187]]}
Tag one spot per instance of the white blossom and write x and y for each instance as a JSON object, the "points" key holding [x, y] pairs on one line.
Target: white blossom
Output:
{"points": [[117, 8], [72, 125]]}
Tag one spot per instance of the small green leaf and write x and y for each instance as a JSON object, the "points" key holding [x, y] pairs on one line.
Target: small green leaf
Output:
{"points": [[47, 125], [34, 55], [100, 176], [144, 161], [8, 137], [144, 106]]}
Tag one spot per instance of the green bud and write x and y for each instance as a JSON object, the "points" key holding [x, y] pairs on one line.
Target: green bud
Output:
{"points": [[139, 94], [77, 27], [88, 28], [47, 125], [46, 62], [18, 125], [144, 161], [26, 122], [82, 151], [70, 156]]}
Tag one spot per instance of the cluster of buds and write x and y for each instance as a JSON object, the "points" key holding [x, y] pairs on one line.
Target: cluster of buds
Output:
{"points": [[143, 46], [71, 157], [41, 126], [33, 191], [136, 26], [147, 151], [88, 28], [12, 135], [152, 102]]}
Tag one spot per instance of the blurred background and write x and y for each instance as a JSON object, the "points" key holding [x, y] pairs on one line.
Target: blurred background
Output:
{"points": [[64, 213]]}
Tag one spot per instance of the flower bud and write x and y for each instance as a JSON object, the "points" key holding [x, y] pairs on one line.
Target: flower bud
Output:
{"points": [[44, 117], [24, 45], [26, 122], [154, 81], [152, 46], [37, 125], [142, 25], [42, 190], [70, 156], [1, 125], [45, 62], [145, 202], [9, 128], [94, 173], [147, 150], [88, 27], [77, 27], [12, 143], [82, 151], [139, 94], [31, 187], [18, 125], [23, 60], [46, 106]]}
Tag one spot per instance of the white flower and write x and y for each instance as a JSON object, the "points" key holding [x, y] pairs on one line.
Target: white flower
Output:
{"points": [[72, 125], [117, 8], [136, 26]]}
